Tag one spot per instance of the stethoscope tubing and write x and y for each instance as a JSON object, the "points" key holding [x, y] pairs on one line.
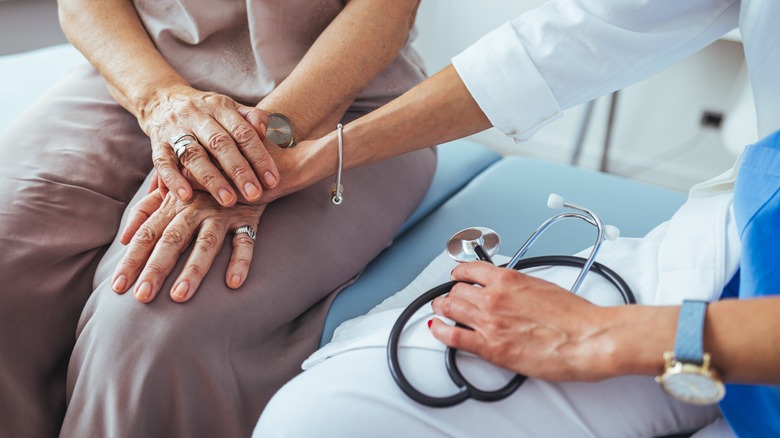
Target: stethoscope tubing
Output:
{"points": [[467, 390]]}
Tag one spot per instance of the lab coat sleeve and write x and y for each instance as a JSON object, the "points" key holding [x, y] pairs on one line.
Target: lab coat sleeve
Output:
{"points": [[567, 52]]}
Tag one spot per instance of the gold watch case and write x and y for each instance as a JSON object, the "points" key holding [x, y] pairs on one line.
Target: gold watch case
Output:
{"points": [[691, 383], [280, 131]]}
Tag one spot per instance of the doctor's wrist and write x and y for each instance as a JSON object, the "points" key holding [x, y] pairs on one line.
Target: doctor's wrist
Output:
{"points": [[639, 336], [302, 166]]}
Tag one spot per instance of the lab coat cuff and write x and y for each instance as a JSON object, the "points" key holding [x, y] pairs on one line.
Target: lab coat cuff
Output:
{"points": [[506, 84]]}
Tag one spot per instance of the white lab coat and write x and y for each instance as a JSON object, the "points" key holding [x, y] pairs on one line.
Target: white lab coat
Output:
{"points": [[567, 52]]}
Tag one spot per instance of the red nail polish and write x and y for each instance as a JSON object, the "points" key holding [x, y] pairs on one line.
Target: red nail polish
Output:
{"points": [[430, 321]]}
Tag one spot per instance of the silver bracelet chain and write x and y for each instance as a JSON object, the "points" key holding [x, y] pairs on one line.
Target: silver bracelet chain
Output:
{"points": [[338, 189]]}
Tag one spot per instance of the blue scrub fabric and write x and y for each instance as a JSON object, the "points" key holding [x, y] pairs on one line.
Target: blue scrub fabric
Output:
{"points": [[753, 410]]}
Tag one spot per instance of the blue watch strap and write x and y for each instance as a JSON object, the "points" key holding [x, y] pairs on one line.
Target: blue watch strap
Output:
{"points": [[690, 332]]}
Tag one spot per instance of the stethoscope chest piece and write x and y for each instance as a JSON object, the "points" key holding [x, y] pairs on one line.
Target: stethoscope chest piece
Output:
{"points": [[463, 245]]}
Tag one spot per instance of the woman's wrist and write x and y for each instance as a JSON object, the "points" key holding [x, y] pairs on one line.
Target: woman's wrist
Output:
{"points": [[636, 338], [319, 159], [146, 99], [302, 166]]}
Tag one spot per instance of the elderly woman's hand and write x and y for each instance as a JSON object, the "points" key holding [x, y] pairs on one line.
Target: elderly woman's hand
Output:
{"points": [[221, 144], [161, 227], [298, 167], [524, 324]]}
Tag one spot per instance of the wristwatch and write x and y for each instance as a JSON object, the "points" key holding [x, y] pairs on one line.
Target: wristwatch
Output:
{"points": [[280, 131], [688, 376]]}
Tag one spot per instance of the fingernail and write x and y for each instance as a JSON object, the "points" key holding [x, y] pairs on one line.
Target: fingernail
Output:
{"points": [[225, 196], [235, 280], [270, 180], [119, 284], [143, 291], [180, 291], [183, 195], [430, 322], [252, 191], [262, 128]]}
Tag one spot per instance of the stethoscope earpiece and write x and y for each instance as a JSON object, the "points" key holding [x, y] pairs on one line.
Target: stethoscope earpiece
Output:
{"points": [[555, 201]]}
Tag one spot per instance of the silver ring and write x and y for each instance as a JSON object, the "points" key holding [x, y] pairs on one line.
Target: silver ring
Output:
{"points": [[245, 229], [180, 143]]}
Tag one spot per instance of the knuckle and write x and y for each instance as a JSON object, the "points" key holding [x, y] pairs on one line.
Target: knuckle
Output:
{"points": [[493, 300], [169, 176], [506, 275], [214, 98], [463, 269], [243, 134], [456, 289], [446, 306], [209, 179], [240, 172], [219, 143], [241, 262], [160, 161], [192, 153], [131, 264], [261, 161], [209, 240], [154, 268], [145, 236], [243, 239], [195, 270], [185, 106], [172, 237], [490, 324]]}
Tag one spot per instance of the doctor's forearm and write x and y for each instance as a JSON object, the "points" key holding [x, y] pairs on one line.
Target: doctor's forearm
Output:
{"points": [[438, 110], [742, 337]]}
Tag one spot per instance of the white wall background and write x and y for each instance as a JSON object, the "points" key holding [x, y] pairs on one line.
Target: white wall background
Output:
{"points": [[657, 120]]}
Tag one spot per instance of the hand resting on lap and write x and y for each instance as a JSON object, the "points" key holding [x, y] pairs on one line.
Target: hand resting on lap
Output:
{"points": [[159, 230]]}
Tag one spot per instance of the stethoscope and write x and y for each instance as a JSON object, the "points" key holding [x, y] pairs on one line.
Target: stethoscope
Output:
{"points": [[480, 243]]}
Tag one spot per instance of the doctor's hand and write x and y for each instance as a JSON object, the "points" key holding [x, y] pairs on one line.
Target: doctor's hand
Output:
{"points": [[159, 230], [524, 324], [220, 144], [295, 167]]}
